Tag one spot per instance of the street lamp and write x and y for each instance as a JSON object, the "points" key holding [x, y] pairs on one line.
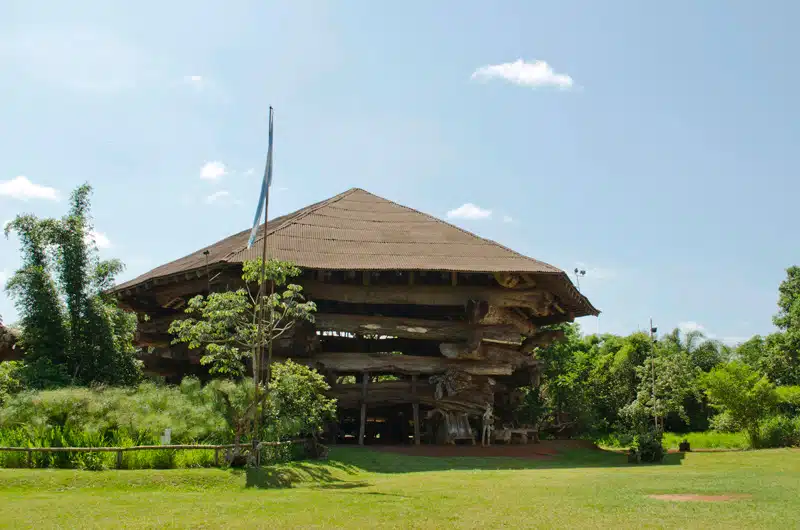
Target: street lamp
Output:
{"points": [[578, 274]]}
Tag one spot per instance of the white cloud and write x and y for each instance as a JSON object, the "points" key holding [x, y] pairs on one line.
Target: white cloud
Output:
{"points": [[194, 78], [508, 219], [214, 197], [535, 74], [213, 171], [23, 189], [688, 327], [469, 211], [99, 239], [249, 172]]}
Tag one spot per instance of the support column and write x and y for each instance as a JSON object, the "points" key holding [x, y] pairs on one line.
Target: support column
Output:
{"points": [[415, 406], [364, 381]]}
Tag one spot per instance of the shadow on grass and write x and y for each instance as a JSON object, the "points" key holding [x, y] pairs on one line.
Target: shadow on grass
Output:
{"points": [[290, 475], [380, 461]]}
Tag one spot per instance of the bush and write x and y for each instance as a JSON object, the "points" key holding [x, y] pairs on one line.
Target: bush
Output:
{"points": [[725, 422], [780, 431], [649, 446]]}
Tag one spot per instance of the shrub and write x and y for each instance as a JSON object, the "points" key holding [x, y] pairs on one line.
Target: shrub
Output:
{"points": [[745, 394], [780, 431], [725, 422], [649, 446]]}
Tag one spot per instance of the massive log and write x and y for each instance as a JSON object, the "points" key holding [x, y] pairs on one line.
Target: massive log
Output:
{"points": [[413, 328], [443, 295], [472, 399], [405, 364], [329, 344]]}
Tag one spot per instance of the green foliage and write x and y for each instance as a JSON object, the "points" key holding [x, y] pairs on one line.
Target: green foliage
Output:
{"points": [[667, 381], [707, 440], [779, 431], [532, 408], [788, 317], [10, 379], [743, 393], [37, 300], [297, 405], [227, 324], [649, 446], [725, 422], [71, 331], [138, 414]]}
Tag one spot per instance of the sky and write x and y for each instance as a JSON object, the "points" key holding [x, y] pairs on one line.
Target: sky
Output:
{"points": [[651, 144]]}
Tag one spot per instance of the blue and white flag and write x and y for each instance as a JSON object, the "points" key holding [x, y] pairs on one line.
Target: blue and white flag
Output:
{"points": [[263, 197]]}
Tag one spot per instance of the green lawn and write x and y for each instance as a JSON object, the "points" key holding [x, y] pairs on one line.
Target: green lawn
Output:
{"points": [[361, 488]]}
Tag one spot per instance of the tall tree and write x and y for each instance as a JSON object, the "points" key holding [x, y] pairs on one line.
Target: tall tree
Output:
{"points": [[72, 332], [44, 335]]}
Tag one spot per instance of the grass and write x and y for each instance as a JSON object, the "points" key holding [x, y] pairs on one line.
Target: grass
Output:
{"points": [[361, 488], [697, 440], [707, 440]]}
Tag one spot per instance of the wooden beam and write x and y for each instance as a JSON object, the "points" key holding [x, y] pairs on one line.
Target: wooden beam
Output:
{"points": [[415, 408], [440, 295], [406, 364], [362, 429], [411, 327], [454, 278]]}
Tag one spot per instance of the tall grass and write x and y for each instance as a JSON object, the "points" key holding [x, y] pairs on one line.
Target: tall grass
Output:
{"points": [[707, 440], [697, 440]]}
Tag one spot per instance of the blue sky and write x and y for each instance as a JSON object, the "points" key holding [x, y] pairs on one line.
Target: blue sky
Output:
{"points": [[652, 144]]}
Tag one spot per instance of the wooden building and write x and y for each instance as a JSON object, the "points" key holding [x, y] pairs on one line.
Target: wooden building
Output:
{"points": [[420, 324]]}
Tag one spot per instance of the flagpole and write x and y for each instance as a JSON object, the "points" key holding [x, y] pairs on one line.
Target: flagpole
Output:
{"points": [[259, 353]]}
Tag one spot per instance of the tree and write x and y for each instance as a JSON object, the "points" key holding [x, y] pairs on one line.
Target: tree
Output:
{"points": [[788, 317], [72, 332], [747, 396], [232, 325], [666, 382], [36, 297], [297, 404]]}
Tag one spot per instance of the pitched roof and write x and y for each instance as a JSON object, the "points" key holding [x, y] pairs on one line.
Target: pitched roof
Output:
{"points": [[359, 230]]}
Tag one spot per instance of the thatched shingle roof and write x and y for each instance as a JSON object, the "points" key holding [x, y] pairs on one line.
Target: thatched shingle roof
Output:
{"points": [[357, 230]]}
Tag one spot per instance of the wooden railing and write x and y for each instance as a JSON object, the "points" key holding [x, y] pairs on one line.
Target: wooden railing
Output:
{"points": [[120, 450]]}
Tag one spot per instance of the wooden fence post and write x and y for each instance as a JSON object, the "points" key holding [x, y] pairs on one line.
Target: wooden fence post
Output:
{"points": [[119, 459], [216, 457], [30, 458]]}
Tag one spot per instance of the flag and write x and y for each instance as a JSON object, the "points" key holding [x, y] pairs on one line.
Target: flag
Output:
{"points": [[265, 184]]}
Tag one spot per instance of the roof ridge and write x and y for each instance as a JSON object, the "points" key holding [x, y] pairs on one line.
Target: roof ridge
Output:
{"points": [[296, 216]]}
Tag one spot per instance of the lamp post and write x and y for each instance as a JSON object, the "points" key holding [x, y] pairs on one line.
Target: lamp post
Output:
{"points": [[578, 274]]}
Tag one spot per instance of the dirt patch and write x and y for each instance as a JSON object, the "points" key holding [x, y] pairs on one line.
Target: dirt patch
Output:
{"points": [[541, 451], [693, 497]]}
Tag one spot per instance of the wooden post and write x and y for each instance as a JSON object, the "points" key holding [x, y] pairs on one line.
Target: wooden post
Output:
{"points": [[361, 431], [410, 277], [454, 278], [30, 458], [415, 407], [365, 277], [216, 457], [119, 459]]}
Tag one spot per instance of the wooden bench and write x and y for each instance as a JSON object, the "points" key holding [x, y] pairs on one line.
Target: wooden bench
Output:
{"points": [[507, 434]]}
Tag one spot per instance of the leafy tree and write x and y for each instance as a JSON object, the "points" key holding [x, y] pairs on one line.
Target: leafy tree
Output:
{"points": [[747, 396], [674, 383], [297, 404], [44, 334], [227, 324], [788, 317], [72, 332]]}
